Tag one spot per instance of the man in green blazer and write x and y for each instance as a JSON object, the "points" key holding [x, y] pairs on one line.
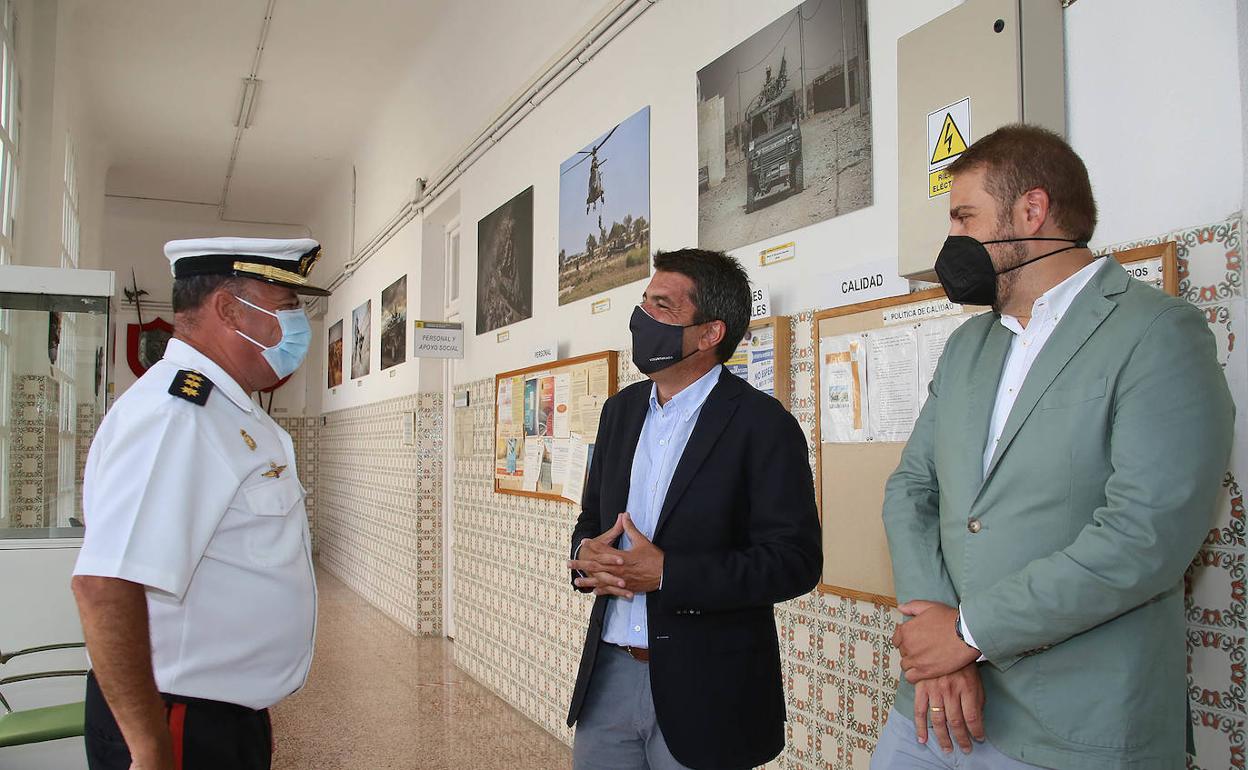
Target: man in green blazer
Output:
{"points": [[1060, 478]]}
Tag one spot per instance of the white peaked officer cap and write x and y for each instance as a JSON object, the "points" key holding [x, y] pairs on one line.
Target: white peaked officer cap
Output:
{"points": [[282, 262]]}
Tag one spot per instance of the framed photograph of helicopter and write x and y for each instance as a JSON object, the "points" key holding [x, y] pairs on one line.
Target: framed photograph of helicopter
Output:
{"points": [[784, 126], [604, 211]]}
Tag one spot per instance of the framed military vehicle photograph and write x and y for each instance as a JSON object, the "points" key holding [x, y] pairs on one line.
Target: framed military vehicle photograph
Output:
{"points": [[784, 126]]}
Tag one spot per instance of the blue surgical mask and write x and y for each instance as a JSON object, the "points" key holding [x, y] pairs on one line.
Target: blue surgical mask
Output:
{"points": [[286, 356]]}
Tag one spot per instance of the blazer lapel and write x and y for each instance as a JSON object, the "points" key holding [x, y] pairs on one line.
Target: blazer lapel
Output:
{"points": [[1083, 318], [716, 412]]}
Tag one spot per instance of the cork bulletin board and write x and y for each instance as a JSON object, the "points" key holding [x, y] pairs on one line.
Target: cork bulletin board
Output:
{"points": [[869, 358], [763, 357], [545, 418]]}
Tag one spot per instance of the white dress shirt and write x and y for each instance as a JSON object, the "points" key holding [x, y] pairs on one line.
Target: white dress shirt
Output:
{"points": [[664, 436], [203, 506], [1046, 313]]}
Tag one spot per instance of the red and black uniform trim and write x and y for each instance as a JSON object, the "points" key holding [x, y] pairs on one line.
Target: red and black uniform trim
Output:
{"points": [[205, 734]]}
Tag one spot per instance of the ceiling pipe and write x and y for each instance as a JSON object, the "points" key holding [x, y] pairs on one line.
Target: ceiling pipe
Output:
{"points": [[599, 35], [247, 108]]}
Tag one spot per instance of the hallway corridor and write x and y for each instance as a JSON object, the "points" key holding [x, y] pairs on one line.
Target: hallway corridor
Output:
{"points": [[379, 697]]}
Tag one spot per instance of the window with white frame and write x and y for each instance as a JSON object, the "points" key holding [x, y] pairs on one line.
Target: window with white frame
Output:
{"points": [[70, 230], [10, 129]]}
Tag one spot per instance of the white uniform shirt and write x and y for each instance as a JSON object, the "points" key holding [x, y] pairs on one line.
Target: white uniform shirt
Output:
{"points": [[203, 505], [1046, 313]]}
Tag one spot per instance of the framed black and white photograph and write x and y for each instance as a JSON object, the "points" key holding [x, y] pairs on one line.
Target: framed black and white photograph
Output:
{"points": [[505, 264], [784, 126], [604, 211]]}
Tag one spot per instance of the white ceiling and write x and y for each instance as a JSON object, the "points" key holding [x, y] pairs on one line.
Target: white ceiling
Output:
{"points": [[164, 80]]}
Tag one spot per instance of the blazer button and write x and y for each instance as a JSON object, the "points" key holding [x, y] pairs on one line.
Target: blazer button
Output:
{"points": [[974, 526]]}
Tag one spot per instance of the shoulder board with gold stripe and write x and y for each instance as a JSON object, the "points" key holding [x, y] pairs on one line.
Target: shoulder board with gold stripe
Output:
{"points": [[192, 386]]}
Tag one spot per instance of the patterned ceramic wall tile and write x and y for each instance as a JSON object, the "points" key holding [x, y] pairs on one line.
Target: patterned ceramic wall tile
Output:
{"points": [[379, 506], [32, 452], [1211, 275], [304, 432], [1226, 321], [1211, 264], [1219, 741], [88, 423]]}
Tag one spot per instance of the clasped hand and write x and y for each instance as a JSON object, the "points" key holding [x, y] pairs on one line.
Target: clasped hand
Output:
{"points": [[609, 571], [942, 668]]}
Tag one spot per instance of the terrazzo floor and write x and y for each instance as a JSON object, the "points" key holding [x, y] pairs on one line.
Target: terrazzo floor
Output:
{"points": [[379, 697]]}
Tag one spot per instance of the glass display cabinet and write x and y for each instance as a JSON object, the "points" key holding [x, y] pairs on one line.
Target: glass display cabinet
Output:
{"points": [[54, 351]]}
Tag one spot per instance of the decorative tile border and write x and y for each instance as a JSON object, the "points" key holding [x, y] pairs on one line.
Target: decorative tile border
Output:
{"points": [[1211, 276]]}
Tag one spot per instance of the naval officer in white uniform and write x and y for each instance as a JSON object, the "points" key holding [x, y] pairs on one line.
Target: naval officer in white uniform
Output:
{"points": [[195, 582]]}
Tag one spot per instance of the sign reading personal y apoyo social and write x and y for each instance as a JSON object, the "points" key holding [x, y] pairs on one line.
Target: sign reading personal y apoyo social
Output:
{"points": [[875, 280], [438, 339]]}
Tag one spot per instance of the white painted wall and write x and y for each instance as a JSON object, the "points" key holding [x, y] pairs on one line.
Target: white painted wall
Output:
{"points": [[134, 236], [1154, 104], [47, 615], [654, 63], [401, 256], [1162, 136]]}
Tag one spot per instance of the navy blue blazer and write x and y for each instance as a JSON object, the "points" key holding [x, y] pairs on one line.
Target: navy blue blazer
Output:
{"points": [[740, 532]]}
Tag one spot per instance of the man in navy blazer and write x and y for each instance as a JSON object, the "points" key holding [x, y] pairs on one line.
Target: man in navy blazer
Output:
{"points": [[698, 516]]}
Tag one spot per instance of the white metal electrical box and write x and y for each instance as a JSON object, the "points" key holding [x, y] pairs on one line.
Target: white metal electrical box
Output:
{"points": [[967, 72]]}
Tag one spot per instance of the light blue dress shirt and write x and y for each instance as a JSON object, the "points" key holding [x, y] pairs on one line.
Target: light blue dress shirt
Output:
{"points": [[663, 439]]}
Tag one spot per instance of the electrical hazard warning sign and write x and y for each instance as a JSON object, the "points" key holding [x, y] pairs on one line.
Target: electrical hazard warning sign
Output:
{"points": [[948, 135]]}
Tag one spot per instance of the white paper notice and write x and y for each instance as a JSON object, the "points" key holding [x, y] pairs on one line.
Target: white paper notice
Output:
{"points": [[843, 410], [932, 337], [892, 383], [761, 367], [577, 467], [559, 461], [504, 401], [533, 451], [563, 406], [588, 412]]}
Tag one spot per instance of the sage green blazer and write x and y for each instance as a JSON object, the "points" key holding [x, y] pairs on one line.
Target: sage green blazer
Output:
{"points": [[1101, 491]]}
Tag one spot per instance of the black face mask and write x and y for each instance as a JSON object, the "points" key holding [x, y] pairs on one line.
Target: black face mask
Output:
{"points": [[966, 271], [656, 345]]}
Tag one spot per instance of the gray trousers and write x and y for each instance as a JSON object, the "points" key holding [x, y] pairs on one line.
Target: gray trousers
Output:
{"points": [[899, 749], [617, 729]]}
